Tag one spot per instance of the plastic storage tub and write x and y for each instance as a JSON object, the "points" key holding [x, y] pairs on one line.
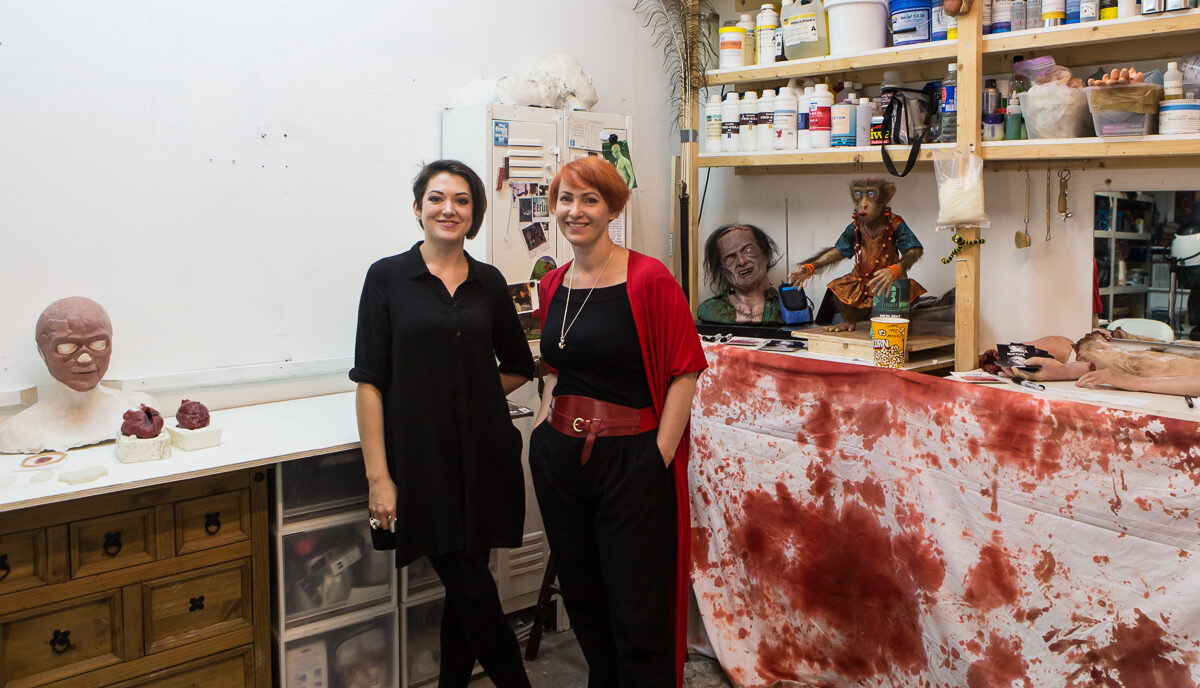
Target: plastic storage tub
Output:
{"points": [[856, 26], [1056, 112], [1124, 110]]}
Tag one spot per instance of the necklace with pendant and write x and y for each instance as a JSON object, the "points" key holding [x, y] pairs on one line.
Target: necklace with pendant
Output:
{"points": [[562, 334]]}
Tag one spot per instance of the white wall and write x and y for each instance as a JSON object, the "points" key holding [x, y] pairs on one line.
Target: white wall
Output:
{"points": [[219, 175]]}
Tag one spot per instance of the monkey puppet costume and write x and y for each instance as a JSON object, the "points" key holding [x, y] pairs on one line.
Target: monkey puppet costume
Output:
{"points": [[872, 251]]}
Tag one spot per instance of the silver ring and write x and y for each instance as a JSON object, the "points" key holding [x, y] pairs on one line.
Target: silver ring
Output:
{"points": [[375, 523]]}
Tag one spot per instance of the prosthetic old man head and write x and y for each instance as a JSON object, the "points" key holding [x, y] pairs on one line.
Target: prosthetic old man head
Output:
{"points": [[74, 337], [737, 257], [871, 197]]}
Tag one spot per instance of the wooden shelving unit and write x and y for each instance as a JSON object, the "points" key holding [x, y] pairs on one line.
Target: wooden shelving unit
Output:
{"points": [[1151, 37]]}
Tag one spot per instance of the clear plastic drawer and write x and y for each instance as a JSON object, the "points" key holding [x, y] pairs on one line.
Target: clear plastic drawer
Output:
{"points": [[322, 484], [359, 655], [422, 646], [331, 567]]}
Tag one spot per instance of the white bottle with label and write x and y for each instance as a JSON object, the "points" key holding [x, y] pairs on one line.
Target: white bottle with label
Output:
{"points": [[731, 115], [804, 30], [820, 116], [766, 120], [862, 122], [747, 132], [842, 124], [785, 119], [733, 47], [764, 34], [747, 22], [803, 135], [712, 124], [1172, 82], [783, 7]]}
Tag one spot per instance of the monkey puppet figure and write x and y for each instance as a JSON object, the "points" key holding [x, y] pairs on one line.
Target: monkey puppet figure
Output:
{"points": [[883, 249]]}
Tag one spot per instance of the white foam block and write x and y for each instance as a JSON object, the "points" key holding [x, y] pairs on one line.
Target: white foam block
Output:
{"points": [[191, 440], [83, 475], [131, 449]]}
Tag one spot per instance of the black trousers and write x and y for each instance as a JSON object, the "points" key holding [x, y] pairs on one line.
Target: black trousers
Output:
{"points": [[611, 529], [473, 625]]}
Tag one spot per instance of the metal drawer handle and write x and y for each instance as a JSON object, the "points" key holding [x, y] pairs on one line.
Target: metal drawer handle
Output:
{"points": [[197, 603], [4, 567], [61, 641], [112, 543], [212, 523]]}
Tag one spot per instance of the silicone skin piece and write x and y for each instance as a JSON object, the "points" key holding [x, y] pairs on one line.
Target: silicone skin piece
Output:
{"points": [[192, 415], [145, 423]]}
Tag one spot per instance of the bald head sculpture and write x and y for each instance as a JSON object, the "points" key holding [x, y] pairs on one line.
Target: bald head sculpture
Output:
{"points": [[74, 337]]}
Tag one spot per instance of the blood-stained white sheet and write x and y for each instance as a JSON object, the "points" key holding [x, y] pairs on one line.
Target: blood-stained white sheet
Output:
{"points": [[855, 526]]}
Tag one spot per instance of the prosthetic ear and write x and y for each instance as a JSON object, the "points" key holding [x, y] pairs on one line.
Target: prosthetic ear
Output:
{"points": [[887, 191]]}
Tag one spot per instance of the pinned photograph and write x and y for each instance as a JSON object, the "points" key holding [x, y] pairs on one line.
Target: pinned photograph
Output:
{"points": [[541, 209], [522, 296], [541, 267], [535, 234], [525, 210], [617, 152], [521, 189], [531, 325]]}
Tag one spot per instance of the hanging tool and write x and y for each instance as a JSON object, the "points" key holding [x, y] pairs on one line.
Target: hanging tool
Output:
{"points": [[1048, 192], [1064, 176], [1021, 239]]}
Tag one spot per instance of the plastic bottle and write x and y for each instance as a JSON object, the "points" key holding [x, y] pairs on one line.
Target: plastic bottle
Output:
{"points": [[1109, 9], [1001, 16], [785, 119], [803, 116], [1089, 10], [733, 47], [731, 124], [1033, 14], [1072, 12], [1054, 12], [842, 124], [862, 122], [764, 34], [948, 111], [747, 22], [991, 97], [1014, 122], [820, 117], [765, 126], [986, 13], [1019, 10], [1172, 82], [951, 28], [712, 124], [938, 23], [748, 117], [805, 31], [784, 5]]}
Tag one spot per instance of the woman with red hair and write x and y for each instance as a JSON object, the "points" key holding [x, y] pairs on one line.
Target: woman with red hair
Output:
{"points": [[610, 464]]}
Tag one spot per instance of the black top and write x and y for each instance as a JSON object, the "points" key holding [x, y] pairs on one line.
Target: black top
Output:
{"points": [[603, 358], [451, 447]]}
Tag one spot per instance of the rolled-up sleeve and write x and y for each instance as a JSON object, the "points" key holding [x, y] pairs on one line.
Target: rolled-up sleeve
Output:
{"points": [[372, 344]]}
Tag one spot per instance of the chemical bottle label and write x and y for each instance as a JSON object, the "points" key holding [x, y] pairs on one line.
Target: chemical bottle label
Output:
{"points": [[712, 127], [800, 28], [876, 131], [765, 37], [767, 118], [819, 117], [911, 26], [729, 129], [949, 98]]}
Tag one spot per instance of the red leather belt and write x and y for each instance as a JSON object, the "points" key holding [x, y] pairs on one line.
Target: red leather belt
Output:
{"points": [[577, 416]]}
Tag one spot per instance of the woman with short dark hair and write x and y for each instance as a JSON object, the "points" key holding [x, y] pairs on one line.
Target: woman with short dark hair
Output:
{"points": [[443, 459]]}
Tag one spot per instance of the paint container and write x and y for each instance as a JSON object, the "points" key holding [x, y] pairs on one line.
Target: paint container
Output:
{"points": [[1179, 116], [1094, 10], [785, 120], [993, 127], [856, 25], [1019, 12], [951, 28], [747, 119], [1072, 12], [1033, 14], [1054, 12], [911, 21], [733, 47], [842, 126], [938, 23], [877, 130], [731, 119], [986, 16], [1002, 16], [820, 117], [1127, 8]]}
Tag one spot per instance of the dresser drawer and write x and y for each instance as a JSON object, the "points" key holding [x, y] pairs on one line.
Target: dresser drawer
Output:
{"points": [[22, 560], [112, 542], [212, 521], [233, 669], [58, 641], [195, 605]]}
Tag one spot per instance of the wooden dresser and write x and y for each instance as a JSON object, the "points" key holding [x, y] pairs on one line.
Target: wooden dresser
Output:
{"points": [[156, 587]]}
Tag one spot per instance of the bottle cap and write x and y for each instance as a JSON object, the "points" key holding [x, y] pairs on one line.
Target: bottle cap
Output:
{"points": [[822, 88], [747, 17], [952, 67], [1172, 65], [731, 97], [768, 93]]}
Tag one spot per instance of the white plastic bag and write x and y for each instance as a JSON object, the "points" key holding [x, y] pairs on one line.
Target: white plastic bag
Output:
{"points": [[960, 189]]}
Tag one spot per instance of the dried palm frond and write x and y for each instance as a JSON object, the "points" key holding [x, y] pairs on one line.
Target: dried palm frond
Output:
{"points": [[687, 48]]}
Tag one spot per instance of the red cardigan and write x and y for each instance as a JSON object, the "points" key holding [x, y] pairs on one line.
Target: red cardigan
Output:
{"points": [[670, 347]]}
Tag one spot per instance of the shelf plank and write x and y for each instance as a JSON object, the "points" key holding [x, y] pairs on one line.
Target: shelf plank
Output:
{"points": [[1105, 291], [1106, 234], [847, 156], [1153, 148], [1110, 31], [872, 60]]}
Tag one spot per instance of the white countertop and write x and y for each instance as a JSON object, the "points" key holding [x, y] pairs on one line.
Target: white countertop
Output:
{"points": [[251, 436]]}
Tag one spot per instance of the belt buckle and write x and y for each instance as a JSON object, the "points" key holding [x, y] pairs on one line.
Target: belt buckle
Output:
{"points": [[575, 424]]}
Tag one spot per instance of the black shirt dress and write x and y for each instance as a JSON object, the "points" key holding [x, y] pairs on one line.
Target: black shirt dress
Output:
{"points": [[452, 449]]}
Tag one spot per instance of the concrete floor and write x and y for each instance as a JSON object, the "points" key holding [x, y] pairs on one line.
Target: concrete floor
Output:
{"points": [[560, 664]]}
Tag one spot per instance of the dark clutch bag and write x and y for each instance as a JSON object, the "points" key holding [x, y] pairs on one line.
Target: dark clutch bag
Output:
{"points": [[383, 539]]}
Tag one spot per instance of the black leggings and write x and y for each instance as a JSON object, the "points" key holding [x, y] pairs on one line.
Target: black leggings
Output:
{"points": [[473, 625], [611, 529]]}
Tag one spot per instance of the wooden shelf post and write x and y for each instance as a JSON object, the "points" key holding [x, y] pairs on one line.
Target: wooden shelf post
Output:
{"points": [[966, 264]]}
